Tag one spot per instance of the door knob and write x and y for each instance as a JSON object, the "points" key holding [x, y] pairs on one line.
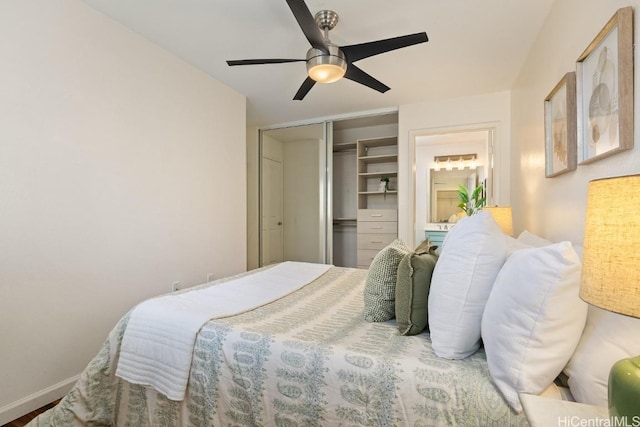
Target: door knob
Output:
{"points": [[279, 222]]}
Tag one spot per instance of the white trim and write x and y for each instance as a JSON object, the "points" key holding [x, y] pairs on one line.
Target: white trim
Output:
{"points": [[36, 400], [338, 117], [326, 204]]}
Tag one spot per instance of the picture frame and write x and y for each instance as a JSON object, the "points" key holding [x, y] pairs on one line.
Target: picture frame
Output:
{"points": [[604, 76], [560, 129]]}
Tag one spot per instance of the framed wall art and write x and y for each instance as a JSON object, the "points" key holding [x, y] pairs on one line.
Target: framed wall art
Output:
{"points": [[560, 127], [604, 76]]}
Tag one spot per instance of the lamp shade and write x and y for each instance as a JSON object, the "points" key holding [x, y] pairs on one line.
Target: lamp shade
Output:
{"points": [[611, 274], [502, 215], [611, 258]]}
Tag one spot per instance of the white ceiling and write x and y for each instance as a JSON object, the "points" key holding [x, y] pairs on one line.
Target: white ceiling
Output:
{"points": [[475, 46]]}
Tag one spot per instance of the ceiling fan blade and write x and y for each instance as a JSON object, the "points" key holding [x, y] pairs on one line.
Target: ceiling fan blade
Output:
{"points": [[308, 24], [304, 89], [355, 52], [262, 61], [357, 75]]}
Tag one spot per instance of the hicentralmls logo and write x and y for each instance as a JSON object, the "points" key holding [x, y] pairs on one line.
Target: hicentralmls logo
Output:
{"points": [[576, 421]]}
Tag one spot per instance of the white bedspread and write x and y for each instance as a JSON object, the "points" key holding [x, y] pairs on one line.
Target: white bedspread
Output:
{"points": [[157, 346]]}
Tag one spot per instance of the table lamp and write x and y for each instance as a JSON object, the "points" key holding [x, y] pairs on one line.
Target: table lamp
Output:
{"points": [[611, 273], [502, 215]]}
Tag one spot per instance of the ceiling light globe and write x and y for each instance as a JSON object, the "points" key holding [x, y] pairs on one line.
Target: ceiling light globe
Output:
{"points": [[326, 73], [326, 68]]}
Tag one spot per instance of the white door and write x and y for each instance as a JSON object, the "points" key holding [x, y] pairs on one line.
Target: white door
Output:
{"points": [[272, 208]]}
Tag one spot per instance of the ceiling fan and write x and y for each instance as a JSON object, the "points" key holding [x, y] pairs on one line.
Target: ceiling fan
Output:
{"points": [[327, 62]]}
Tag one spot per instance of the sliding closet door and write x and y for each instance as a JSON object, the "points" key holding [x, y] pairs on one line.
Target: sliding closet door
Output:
{"points": [[293, 188], [272, 202]]}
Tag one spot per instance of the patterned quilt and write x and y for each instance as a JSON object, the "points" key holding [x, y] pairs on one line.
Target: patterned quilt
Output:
{"points": [[308, 359]]}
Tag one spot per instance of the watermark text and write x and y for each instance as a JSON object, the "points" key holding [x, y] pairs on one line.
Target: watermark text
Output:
{"points": [[577, 421]]}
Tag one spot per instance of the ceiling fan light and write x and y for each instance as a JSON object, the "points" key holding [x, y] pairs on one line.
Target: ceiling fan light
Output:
{"points": [[326, 68], [326, 73]]}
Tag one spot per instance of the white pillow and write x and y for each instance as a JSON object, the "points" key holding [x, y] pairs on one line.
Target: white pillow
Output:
{"points": [[533, 319], [531, 239], [514, 244], [556, 392], [461, 282], [607, 338]]}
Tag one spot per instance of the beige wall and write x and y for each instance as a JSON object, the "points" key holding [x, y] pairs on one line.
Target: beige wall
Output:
{"points": [[554, 207], [122, 169]]}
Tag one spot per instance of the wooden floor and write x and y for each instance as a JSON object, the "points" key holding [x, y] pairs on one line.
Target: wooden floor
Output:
{"points": [[24, 420]]}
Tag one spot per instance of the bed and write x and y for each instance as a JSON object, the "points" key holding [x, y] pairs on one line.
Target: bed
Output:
{"points": [[306, 359], [418, 339]]}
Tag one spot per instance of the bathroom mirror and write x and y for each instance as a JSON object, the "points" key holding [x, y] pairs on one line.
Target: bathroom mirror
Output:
{"points": [[444, 190]]}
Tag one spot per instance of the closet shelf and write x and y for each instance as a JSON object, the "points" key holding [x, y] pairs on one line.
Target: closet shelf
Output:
{"points": [[368, 193], [382, 141], [382, 158], [378, 174], [345, 222], [344, 146]]}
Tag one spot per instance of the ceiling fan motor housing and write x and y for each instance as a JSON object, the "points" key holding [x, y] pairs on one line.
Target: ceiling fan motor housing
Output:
{"points": [[326, 68]]}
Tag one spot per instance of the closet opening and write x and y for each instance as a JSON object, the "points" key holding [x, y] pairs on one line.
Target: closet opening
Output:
{"points": [[328, 192]]}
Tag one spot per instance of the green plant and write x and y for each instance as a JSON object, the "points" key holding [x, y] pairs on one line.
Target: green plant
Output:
{"points": [[385, 179], [471, 204]]}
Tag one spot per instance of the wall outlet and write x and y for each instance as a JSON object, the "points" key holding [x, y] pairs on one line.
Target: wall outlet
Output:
{"points": [[175, 286], [210, 277]]}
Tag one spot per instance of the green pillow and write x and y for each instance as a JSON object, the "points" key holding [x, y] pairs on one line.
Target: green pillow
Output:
{"points": [[412, 290], [380, 285]]}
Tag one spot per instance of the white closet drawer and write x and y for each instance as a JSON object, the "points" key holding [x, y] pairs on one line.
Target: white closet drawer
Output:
{"points": [[375, 241], [365, 256], [378, 227], [377, 215]]}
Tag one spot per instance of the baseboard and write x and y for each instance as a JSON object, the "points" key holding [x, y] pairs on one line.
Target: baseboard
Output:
{"points": [[36, 400]]}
